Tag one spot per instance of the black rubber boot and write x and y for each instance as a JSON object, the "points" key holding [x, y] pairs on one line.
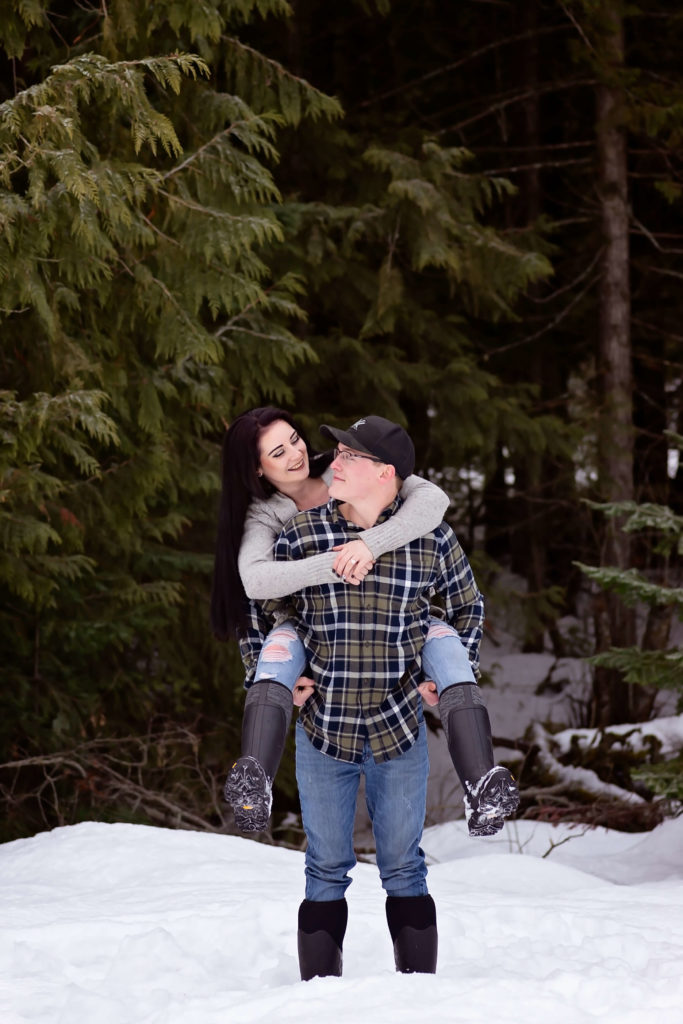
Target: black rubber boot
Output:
{"points": [[320, 938], [267, 714], [467, 726], [412, 924], [491, 792]]}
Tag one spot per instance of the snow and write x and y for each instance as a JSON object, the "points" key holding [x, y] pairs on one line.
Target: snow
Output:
{"points": [[666, 731], [129, 924]]}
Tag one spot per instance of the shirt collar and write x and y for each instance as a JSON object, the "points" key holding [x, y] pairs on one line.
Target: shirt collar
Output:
{"points": [[336, 516]]}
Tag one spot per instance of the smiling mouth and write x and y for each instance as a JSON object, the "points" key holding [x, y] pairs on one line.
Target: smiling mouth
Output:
{"points": [[299, 465]]}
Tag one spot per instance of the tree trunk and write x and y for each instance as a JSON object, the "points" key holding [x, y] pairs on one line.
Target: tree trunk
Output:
{"points": [[535, 540], [615, 440]]}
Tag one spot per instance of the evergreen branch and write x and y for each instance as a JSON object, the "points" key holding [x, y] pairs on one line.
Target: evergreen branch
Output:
{"points": [[262, 297], [579, 29], [539, 301], [513, 100], [55, 100], [663, 669], [631, 586], [160, 233], [230, 130], [660, 248], [562, 315], [447, 68], [328, 105], [252, 333], [168, 70], [643, 516], [164, 289], [675, 439], [162, 592], [539, 165], [536, 147], [268, 227]]}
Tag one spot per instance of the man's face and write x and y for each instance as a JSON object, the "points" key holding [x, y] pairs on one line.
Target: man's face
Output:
{"points": [[355, 474]]}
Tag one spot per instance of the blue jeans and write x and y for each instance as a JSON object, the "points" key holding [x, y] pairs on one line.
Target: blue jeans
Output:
{"points": [[396, 795], [444, 659]]}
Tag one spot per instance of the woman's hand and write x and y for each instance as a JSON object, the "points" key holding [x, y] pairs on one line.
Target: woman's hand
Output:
{"points": [[303, 689], [429, 692], [353, 562]]}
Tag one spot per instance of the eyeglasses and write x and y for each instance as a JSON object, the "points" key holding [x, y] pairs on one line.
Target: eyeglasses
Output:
{"points": [[345, 456]]}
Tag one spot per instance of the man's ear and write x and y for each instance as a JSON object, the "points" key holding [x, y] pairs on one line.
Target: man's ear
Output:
{"points": [[388, 472]]}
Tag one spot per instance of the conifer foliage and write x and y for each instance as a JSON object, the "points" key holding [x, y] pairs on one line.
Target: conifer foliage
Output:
{"points": [[189, 227], [136, 313], [650, 665], [663, 531]]}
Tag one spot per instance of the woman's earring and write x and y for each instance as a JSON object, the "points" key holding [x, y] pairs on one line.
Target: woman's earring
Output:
{"points": [[259, 472]]}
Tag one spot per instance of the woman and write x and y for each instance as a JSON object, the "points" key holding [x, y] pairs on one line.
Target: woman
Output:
{"points": [[268, 474]]}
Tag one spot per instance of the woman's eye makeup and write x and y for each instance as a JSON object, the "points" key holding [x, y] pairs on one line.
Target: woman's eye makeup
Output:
{"points": [[277, 452]]}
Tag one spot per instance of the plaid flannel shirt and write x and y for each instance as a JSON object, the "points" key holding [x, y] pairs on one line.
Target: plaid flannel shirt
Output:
{"points": [[364, 643]]}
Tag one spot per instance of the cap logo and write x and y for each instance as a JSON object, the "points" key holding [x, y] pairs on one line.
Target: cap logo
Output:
{"points": [[357, 424]]}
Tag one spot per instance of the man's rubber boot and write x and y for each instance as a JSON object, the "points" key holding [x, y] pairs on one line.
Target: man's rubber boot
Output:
{"points": [[412, 924], [491, 793], [320, 938], [267, 714]]}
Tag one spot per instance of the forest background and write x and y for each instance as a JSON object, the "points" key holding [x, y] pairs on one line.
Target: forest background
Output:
{"points": [[466, 217]]}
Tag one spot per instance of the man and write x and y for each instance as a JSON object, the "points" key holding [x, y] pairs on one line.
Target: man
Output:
{"points": [[363, 715]]}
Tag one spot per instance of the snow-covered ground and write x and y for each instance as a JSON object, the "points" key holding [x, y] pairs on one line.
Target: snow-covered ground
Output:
{"points": [[126, 924]]}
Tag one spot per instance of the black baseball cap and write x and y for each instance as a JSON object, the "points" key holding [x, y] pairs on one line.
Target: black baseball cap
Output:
{"points": [[379, 437]]}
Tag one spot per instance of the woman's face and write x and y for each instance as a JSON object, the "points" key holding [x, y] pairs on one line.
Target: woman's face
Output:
{"points": [[284, 459]]}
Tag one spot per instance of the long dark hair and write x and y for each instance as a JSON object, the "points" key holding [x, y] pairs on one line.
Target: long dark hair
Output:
{"points": [[240, 482]]}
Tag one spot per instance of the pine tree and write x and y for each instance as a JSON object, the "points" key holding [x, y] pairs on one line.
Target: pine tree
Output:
{"points": [[648, 667], [137, 313], [414, 278], [663, 530]]}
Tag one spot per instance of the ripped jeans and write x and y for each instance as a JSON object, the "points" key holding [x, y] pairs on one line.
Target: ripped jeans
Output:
{"points": [[444, 659]]}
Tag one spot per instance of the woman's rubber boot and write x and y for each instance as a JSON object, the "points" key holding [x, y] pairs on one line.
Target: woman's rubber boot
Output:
{"points": [[412, 924], [491, 793], [249, 786], [320, 938]]}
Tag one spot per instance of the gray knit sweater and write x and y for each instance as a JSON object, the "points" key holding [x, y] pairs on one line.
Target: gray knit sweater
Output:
{"points": [[424, 506]]}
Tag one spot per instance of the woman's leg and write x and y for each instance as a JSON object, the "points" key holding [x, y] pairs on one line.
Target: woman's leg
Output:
{"points": [[444, 658], [267, 714], [490, 792], [463, 711], [282, 658]]}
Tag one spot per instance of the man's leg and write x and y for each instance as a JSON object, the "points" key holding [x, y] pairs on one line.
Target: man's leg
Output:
{"points": [[267, 714], [320, 938], [412, 925], [396, 793], [491, 792], [328, 790]]}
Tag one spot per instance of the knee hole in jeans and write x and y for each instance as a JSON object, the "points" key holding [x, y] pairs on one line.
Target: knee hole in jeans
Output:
{"points": [[278, 646]]}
